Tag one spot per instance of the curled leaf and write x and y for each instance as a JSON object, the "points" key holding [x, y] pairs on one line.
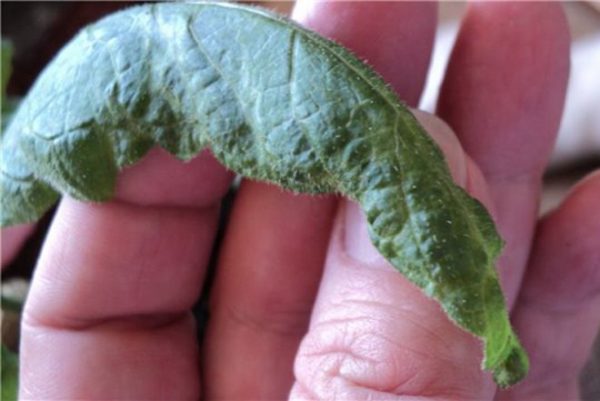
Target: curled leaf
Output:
{"points": [[274, 102]]}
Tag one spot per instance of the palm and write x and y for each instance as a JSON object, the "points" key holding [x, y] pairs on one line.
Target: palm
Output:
{"points": [[108, 315]]}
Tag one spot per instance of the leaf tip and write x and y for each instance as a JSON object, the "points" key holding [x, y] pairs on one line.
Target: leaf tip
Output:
{"points": [[513, 368]]}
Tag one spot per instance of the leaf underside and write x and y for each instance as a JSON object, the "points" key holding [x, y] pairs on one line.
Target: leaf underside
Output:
{"points": [[274, 102]]}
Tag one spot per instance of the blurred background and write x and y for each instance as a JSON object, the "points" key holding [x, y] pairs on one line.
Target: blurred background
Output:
{"points": [[38, 30]]}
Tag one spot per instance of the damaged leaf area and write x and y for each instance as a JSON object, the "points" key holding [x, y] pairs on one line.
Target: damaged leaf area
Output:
{"points": [[274, 102]]}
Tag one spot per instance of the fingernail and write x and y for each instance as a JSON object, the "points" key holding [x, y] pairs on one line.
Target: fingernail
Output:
{"points": [[356, 237]]}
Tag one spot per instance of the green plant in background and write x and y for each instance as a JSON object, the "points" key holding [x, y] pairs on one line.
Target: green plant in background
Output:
{"points": [[11, 307], [274, 102], [6, 65], [10, 375], [9, 105]]}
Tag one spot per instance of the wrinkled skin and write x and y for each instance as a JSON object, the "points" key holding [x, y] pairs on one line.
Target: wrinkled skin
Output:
{"points": [[302, 301]]}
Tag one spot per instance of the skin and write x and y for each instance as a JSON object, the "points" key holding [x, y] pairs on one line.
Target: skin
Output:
{"points": [[301, 300]]}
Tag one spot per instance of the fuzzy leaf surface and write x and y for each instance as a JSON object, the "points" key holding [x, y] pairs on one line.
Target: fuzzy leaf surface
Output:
{"points": [[274, 102]]}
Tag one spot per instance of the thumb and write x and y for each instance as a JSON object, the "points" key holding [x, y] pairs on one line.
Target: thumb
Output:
{"points": [[373, 334]]}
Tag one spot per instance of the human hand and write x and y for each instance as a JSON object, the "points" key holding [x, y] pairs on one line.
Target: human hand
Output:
{"points": [[108, 313]]}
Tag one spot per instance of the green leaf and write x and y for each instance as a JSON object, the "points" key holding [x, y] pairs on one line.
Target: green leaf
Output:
{"points": [[275, 103], [10, 375]]}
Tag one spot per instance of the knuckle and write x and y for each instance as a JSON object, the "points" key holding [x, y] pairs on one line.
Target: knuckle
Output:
{"points": [[362, 358], [343, 353], [353, 358]]}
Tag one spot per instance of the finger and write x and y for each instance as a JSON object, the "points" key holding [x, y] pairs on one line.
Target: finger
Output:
{"points": [[275, 247], [267, 278], [107, 314], [557, 313], [373, 334], [13, 239], [395, 38], [503, 95]]}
